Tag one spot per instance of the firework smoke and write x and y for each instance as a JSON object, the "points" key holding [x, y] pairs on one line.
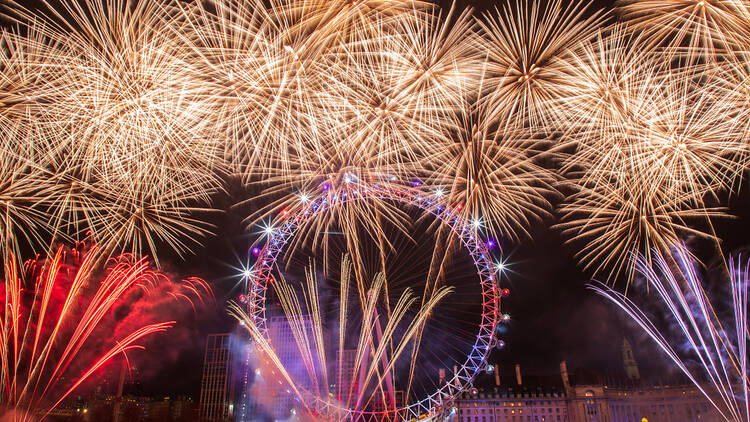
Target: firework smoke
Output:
{"points": [[59, 326]]}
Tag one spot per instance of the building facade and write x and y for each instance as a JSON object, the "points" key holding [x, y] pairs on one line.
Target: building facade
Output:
{"points": [[285, 345], [660, 403], [217, 386], [584, 401], [513, 406]]}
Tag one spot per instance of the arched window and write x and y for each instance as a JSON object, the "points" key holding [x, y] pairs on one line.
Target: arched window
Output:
{"points": [[592, 410]]}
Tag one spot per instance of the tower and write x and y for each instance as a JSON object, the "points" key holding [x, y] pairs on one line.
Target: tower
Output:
{"points": [[631, 366]]}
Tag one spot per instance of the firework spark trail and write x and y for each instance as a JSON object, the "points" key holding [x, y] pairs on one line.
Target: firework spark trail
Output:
{"points": [[260, 340], [375, 356], [614, 223], [652, 145], [491, 174], [524, 41], [701, 30], [115, 120], [49, 329], [128, 115], [722, 359], [132, 80], [346, 270], [265, 79], [608, 82], [627, 114], [312, 303]]}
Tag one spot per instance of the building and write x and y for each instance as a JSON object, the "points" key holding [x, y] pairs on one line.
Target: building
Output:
{"points": [[590, 399], [217, 383], [346, 385], [659, 403], [514, 398], [285, 345], [183, 408], [172, 409], [513, 405]]}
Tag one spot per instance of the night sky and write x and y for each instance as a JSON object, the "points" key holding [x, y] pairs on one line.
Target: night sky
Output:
{"points": [[554, 317]]}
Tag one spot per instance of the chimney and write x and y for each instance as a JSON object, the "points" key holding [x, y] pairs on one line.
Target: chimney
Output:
{"points": [[497, 375], [564, 374], [518, 374]]}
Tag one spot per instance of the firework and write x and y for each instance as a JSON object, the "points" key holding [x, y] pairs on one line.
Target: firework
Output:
{"points": [[117, 124], [612, 223], [716, 356], [609, 82], [54, 314], [23, 81], [650, 145], [264, 78], [378, 347], [491, 176], [27, 82], [697, 29], [628, 116], [125, 98], [393, 102], [523, 44], [438, 62], [21, 202], [692, 143]]}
